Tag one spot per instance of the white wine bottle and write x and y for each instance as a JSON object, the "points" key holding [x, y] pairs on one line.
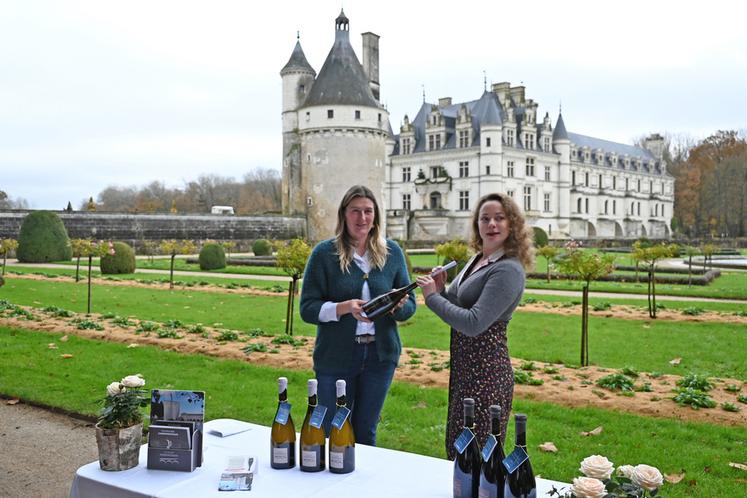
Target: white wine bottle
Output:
{"points": [[283, 433], [467, 463], [382, 304], [313, 443], [520, 482], [493, 473], [341, 437]]}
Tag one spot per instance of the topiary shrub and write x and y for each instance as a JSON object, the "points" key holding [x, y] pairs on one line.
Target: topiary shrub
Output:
{"points": [[123, 260], [540, 237], [212, 257], [43, 238], [262, 247]]}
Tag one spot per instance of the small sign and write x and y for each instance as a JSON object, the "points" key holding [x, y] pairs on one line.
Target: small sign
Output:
{"points": [[515, 459], [490, 445], [317, 416], [283, 413], [340, 416], [463, 440]]}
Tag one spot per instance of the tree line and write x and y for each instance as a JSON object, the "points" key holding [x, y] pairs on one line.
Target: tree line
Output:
{"points": [[257, 192]]}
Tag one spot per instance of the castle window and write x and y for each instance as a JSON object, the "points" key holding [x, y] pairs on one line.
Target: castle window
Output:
{"points": [[510, 193], [606, 205], [487, 169], [651, 186], [529, 140], [586, 179], [599, 181], [614, 183], [406, 205], [302, 89], [527, 198], [463, 169], [435, 200], [639, 209], [546, 144], [639, 185], [357, 114], [578, 205], [487, 141], [330, 113], [614, 206], [463, 139], [379, 117], [431, 142], [573, 177], [308, 115], [406, 146], [510, 137], [587, 205], [464, 200], [406, 174], [547, 173], [510, 169], [438, 141], [437, 171], [627, 185], [530, 166], [547, 202]]}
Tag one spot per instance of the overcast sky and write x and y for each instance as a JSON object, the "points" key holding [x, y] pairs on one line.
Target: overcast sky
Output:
{"points": [[98, 93]]}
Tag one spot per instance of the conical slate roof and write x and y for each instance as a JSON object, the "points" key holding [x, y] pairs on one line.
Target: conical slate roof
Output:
{"points": [[297, 62], [341, 80], [487, 110], [560, 133]]}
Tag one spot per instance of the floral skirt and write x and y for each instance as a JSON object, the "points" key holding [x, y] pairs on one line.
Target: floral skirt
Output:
{"points": [[480, 369]]}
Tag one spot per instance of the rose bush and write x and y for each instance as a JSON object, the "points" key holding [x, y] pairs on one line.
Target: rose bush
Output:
{"points": [[123, 403]]}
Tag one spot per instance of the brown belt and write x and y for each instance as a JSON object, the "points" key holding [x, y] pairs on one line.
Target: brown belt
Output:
{"points": [[365, 339]]}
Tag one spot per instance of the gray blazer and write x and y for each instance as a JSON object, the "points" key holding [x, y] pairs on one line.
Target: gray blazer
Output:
{"points": [[472, 303]]}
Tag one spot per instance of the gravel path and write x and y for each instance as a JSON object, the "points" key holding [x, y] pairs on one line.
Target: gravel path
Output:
{"points": [[41, 450]]}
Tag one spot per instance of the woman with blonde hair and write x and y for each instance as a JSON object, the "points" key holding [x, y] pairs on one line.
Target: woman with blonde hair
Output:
{"points": [[477, 306], [341, 275]]}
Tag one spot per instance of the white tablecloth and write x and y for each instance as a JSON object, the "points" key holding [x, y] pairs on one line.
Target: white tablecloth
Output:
{"points": [[378, 472]]}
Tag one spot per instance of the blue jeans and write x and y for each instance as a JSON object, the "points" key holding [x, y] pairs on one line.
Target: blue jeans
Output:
{"points": [[368, 381]]}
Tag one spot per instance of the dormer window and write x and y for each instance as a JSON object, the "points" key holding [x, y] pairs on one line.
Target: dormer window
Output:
{"points": [[464, 139]]}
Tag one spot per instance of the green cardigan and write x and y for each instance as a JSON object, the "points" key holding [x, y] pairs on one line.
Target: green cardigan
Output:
{"points": [[324, 281]]}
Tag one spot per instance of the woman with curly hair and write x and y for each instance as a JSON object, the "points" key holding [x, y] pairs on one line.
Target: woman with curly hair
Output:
{"points": [[477, 306]]}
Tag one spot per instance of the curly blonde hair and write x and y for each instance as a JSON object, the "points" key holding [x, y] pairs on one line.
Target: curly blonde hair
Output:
{"points": [[375, 244], [519, 242]]}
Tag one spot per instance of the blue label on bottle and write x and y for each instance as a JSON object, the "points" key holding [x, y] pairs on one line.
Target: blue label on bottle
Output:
{"points": [[283, 413], [462, 483], [340, 416], [490, 445], [463, 440], [515, 459], [317, 416]]}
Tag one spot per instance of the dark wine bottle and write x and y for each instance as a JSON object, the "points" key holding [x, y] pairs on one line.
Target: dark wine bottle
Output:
{"points": [[493, 473], [467, 463], [520, 482], [283, 433], [313, 443], [384, 303], [341, 437]]}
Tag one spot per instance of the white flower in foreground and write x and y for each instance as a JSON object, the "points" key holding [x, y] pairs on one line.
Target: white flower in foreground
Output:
{"points": [[596, 466], [588, 487], [115, 388], [647, 477], [625, 471], [133, 381]]}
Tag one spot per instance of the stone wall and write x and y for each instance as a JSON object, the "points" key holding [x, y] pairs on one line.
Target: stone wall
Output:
{"points": [[135, 227]]}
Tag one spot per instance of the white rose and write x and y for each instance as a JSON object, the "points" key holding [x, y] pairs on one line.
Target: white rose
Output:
{"points": [[625, 471], [596, 466], [115, 388], [133, 381], [588, 487], [647, 477]]}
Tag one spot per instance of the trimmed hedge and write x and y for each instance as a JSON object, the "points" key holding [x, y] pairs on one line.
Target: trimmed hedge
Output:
{"points": [[540, 237], [642, 278], [262, 247], [123, 260], [212, 257], [43, 238]]}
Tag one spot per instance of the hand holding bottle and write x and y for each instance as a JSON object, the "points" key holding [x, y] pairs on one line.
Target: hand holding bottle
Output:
{"points": [[354, 307]]}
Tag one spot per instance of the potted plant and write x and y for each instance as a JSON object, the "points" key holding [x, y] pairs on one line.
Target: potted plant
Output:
{"points": [[119, 431]]}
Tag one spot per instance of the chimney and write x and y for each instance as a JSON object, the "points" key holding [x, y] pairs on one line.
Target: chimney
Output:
{"points": [[517, 93], [371, 61], [444, 102], [655, 144], [501, 90]]}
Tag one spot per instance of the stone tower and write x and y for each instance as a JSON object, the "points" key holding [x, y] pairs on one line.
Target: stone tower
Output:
{"points": [[335, 131]]}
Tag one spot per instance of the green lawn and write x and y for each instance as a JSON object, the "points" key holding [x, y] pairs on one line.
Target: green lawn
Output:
{"points": [[714, 348], [412, 420]]}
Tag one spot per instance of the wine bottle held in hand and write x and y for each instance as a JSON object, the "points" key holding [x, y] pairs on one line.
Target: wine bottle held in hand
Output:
{"points": [[384, 303], [283, 433], [341, 437], [493, 473], [467, 463], [313, 443], [520, 482]]}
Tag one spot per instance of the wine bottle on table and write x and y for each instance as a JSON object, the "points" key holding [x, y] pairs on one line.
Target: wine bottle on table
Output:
{"points": [[313, 443], [467, 463], [283, 433], [493, 473], [384, 303], [520, 482], [341, 437]]}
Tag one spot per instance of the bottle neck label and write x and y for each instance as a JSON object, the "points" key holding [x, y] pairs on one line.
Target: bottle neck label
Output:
{"points": [[317, 417], [490, 445], [464, 439], [283, 413], [340, 417], [515, 459]]}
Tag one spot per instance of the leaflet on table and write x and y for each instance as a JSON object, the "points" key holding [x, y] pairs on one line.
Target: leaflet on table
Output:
{"points": [[225, 427], [238, 474]]}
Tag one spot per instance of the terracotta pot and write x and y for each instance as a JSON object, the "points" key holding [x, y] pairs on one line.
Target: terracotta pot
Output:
{"points": [[119, 449]]}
